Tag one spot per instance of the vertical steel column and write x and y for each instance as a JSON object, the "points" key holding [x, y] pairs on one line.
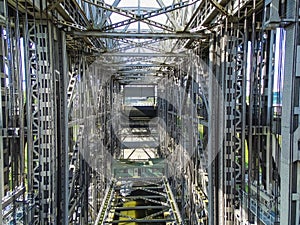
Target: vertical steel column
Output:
{"points": [[41, 133], [62, 131], [234, 123], [1, 166], [215, 136], [290, 160], [2, 14], [287, 149], [78, 194], [194, 140], [269, 111], [229, 177], [216, 128], [88, 110], [101, 123], [161, 112], [1, 126]]}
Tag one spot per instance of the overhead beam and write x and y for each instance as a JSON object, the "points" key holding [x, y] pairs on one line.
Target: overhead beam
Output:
{"points": [[140, 66], [53, 5], [134, 54], [147, 15], [133, 17], [193, 17], [137, 71], [134, 44], [170, 17], [220, 7], [100, 34], [108, 14], [123, 62], [140, 221], [111, 8], [148, 78], [140, 17], [133, 20], [140, 179], [144, 196], [167, 9], [141, 207]]}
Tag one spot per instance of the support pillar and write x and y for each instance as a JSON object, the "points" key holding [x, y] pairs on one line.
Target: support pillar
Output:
{"points": [[289, 165], [1, 139], [41, 123], [62, 130], [215, 141], [2, 13]]}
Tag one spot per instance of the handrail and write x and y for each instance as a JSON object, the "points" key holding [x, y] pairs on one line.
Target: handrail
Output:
{"points": [[105, 204], [172, 202]]}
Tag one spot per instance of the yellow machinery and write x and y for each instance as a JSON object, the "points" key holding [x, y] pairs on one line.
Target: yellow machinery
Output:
{"points": [[130, 213]]}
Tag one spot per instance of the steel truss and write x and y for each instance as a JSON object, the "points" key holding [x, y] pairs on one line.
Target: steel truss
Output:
{"points": [[42, 122], [140, 17], [80, 128], [177, 99], [235, 122], [12, 153], [92, 109], [64, 118]]}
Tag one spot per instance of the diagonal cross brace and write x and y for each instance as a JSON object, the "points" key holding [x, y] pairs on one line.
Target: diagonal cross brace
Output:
{"points": [[144, 17]]}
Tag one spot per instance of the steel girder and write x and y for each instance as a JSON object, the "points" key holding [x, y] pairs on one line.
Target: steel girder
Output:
{"points": [[227, 126], [92, 110], [176, 95], [42, 122], [234, 123], [133, 44], [82, 122], [1, 142], [144, 55], [13, 117], [179, 35], [62, 132], [171, 12], [133, 17], [289, 156], [45, 116], [144, 17]]}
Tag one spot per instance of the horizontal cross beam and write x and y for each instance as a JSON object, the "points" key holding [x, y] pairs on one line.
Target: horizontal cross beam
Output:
{"points": [[141, 207], [141, 221], [142, 55], [178, 35]]}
